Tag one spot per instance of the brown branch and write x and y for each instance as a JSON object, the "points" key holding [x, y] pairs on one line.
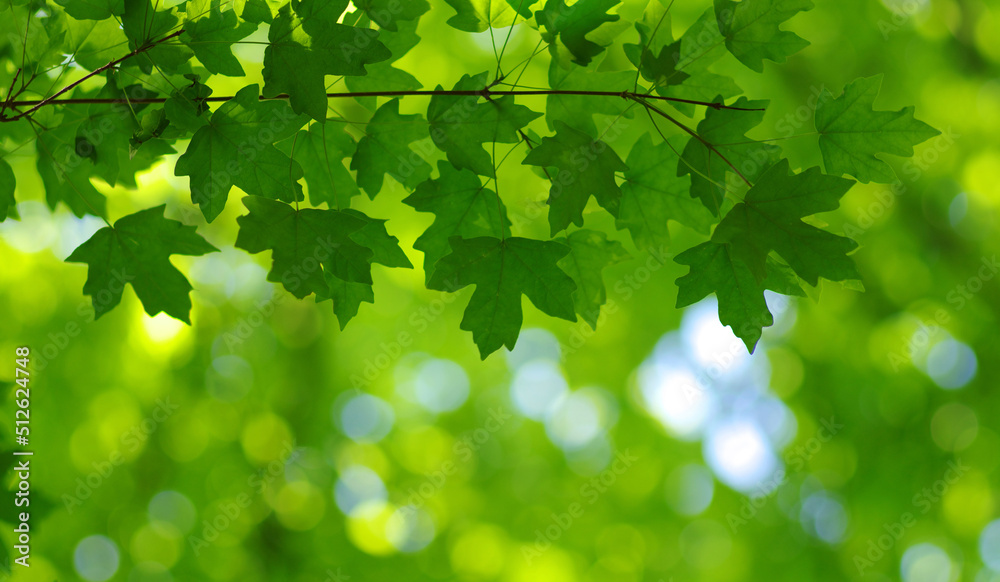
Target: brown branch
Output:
{"points": [[694, 134], [36, 105], [486, 92]]}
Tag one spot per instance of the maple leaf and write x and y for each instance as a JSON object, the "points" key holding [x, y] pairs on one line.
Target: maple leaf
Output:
{"points": [[715, 268], [462, 206], [320, 151], [586, 167], [752, 29], [726, 130], [590, 252], [502, 271], [461, 124], [212, 37], [306, 43], [385, 150], [231, 150], [136, 250], [770, 219], [578, 111], [304, 244], [652, 194], [851, 132], [93, 9], [573, 23], [388, 13]]}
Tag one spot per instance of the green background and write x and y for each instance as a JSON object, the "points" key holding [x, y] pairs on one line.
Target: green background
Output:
{"points": [[907, 367]]}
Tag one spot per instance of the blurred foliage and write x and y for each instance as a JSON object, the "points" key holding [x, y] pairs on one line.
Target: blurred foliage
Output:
{"points": [[385, 450]]}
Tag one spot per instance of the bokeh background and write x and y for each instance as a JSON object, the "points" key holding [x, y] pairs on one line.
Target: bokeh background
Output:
{"points": [[859, 442]]}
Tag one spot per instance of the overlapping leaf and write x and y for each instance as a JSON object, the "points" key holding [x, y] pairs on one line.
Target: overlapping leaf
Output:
{"points": [[653, 194], [590, 252], [236, 148], [572, 23], [462, 206], [461, 124], [716, 269], [584, 167], [770, 220], [306, 42], [385, 149], [305, 244], [725, 130]]}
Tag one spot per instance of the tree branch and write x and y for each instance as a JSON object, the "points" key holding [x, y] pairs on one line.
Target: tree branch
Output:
{"points": [[418, 93], [36, 105]]}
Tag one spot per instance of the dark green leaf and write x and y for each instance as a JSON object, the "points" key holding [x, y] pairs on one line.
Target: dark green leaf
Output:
{"points": [[137, 251], [585, 167], [503, 270], [462, 206], [590, 253], [236, 149], [308, 44], [460, 125]]}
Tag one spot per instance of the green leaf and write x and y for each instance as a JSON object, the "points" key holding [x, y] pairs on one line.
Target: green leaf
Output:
{"points": [[462, 206], [94, 43], [385, 149], [93, 9], [258, 11], [572, 24], [309, 44], [770, 220], [388, 13], [716, 269], [656, 56], [137, 251], [347, 297], [305, 244], [699, 86], [726, 130], [701, 44], [586, 167], [577, 111], [852, 132], [652, 194], [373, 235], [460, 125], [66, 174], [7, 183], [212, 38], [143, 24], [186, 108], [590, 253], [479, 15], [236, 149], [104, 134], [383, 76], [320, 151], [503, 270], [751, 29]]}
